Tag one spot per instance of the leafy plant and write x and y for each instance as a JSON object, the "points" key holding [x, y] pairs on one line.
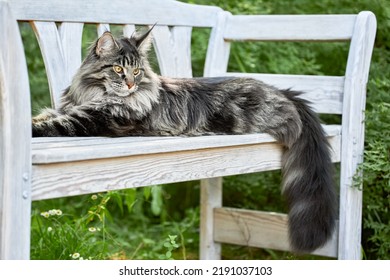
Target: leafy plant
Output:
{"points": [[376, 181], [170, 245]]}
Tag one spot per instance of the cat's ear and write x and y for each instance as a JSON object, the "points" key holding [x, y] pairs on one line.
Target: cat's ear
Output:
{"points": [[143, 42], [105, 44]]}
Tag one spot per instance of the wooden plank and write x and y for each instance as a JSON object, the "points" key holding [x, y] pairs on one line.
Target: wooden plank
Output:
{"points": [[83, 177], [259, 229], [128, 30], [324, 92], [353, 135], [71, 35], [173, 50], [218, 49], [289, 27], [210, 198], [15, 150], [163, 48], [89, 176], [62, 149], [118, 147], [181, 36], [101, 28], [54, 58], [168, 12]]}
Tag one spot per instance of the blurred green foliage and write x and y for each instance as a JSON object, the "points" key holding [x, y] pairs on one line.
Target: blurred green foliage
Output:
{"points": [[163, 221]]}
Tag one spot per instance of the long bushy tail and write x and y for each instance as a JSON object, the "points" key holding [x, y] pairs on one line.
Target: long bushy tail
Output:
{"points": [[308, 184]]}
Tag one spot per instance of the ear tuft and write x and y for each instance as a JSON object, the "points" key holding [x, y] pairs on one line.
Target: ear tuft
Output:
{"points": [[144, 41], [105, 44]]}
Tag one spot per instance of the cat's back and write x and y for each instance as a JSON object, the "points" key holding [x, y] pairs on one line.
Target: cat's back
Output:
{"points": [[227, 85]]}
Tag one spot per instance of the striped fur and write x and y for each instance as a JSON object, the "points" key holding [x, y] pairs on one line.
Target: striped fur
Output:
{"points": [[115, 93]]}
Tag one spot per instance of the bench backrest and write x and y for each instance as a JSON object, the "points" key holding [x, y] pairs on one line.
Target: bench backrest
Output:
{"points": [[59, 26]]}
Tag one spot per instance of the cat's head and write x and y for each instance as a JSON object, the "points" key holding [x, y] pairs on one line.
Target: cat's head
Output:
{"points": [[122, 61], [117, 67]]}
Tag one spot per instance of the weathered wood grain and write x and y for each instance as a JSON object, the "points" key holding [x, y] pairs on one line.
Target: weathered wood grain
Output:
{"points": [[289, 27], [53, 55], [137, 170], [15, 135], [167, 12], [71, 35], [210, 198], [353, 135], [83, 177], [218, 49], [61, 51], [173, 50], [259, 229], [63, 149]]}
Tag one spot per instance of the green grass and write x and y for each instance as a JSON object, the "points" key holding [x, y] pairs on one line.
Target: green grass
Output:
{"points": [[130, 224]]}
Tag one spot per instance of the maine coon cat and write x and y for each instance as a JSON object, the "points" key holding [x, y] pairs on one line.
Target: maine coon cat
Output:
{"points": [[115, 93]]}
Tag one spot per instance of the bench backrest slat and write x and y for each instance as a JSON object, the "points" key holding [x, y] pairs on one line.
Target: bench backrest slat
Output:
{"points": [[173, 49], [125, 12], [324, 92], [290, 28], [55, 56]]}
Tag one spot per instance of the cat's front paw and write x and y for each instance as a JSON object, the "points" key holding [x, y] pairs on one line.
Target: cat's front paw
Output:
{"points": [[41, 130], [46, 114], [37, 131]]}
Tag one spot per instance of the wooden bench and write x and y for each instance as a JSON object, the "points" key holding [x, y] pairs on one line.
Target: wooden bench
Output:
{"points": [[42, 168]]}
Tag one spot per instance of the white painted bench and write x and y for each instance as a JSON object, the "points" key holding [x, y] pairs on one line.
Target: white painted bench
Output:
{"points": [[45, 168]]}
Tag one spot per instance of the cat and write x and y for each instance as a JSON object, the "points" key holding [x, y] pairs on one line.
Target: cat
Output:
{"points": [[115, 93]]}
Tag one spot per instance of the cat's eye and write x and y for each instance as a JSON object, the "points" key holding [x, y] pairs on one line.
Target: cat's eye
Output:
{"points": [[118, 69], [136, 71]]}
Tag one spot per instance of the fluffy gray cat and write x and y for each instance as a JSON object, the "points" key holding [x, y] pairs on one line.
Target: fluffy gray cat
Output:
{"points": [[115, 93]]}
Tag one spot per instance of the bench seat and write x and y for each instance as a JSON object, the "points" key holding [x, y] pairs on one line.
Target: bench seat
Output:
{"points": [[46, 150], [66, 166]]}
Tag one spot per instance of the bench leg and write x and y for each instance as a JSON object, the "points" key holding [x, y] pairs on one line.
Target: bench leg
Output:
{"points": [[15, 212], [15, 138], [211, 197], [354, 101]]}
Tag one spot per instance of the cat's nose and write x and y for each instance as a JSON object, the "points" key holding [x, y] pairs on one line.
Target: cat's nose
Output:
{"points": [[129, 85]]}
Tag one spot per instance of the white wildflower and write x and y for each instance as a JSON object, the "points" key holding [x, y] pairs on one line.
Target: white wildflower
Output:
{"points": [[92, 229], [45, 214], [75, 255]]}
